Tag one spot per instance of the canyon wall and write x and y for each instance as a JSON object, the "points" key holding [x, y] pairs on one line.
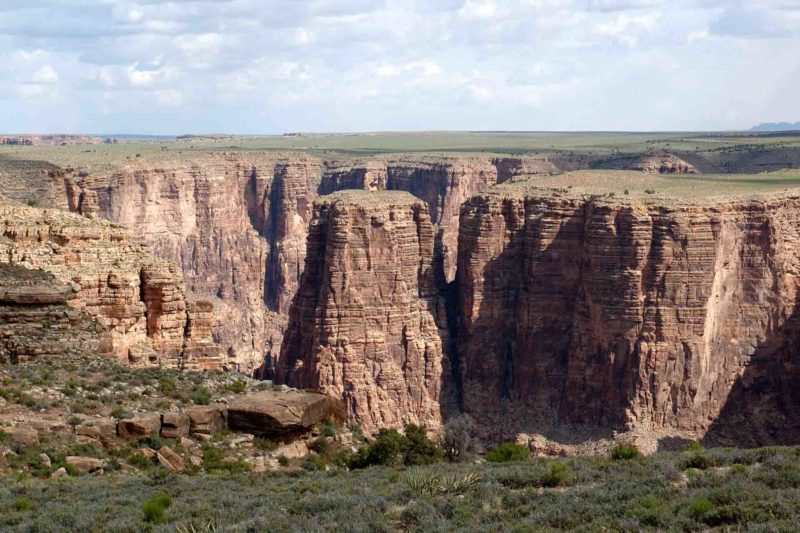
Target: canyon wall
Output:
{"points": [[236, 223], [367, 324], [138, 301], [594, 311]]}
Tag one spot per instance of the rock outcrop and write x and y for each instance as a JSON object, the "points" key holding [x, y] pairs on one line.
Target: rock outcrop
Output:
{"points": [[601, 312], [36, 319], [138, 302], [280, 414], [365, 323]]}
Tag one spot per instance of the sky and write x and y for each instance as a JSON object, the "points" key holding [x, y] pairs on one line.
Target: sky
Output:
{"points": [[273, 66]]}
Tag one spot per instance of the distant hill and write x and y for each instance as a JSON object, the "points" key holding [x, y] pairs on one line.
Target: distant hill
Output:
{"points": [[777, 126]]}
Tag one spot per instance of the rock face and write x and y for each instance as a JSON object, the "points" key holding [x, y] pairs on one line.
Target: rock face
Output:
{"points": [[622, 313], [363, 326], [138, 301], [237, 223]]}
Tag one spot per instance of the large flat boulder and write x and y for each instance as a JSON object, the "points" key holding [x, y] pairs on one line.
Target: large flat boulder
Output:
{"points": [[141, 425], [274, 413], [205, 420]]}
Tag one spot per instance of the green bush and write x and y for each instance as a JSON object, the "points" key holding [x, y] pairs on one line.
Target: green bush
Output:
{"points": [[507, 452], [155, 508], [624, 451], [237, 387], [391, 448], [699, 508], [167, 386], [420, 450], [22, 505], [283, 460], [557, 475], [327, 429], [201, 396], [3, 436], [313, 463], [698, 460]]}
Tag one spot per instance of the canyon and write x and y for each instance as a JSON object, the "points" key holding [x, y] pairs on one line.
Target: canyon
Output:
{"points": [[418, 287]]}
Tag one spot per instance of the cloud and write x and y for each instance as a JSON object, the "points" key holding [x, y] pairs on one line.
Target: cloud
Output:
{"points": [[265, 66], [45, 75]]}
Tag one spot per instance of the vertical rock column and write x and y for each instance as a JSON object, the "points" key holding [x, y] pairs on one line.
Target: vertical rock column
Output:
{"points": [[363, 325]]}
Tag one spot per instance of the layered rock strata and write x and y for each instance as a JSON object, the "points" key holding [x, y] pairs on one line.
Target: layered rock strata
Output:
{"points": [[138, 299], [363, 325], [236, 223], [36, 319], [595, 311]]}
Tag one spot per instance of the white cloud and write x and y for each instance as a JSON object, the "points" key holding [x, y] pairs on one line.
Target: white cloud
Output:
{"points": [[46, 75], [262, 66], [169, 97]]}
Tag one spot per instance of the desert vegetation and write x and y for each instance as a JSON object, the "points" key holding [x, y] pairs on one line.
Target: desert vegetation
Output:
{"points": [[693, 490]]}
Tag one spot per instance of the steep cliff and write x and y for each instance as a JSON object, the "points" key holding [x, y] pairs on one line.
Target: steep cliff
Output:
{"points": [[363, 325], [236, 223], [598, 311], [138, 299]]}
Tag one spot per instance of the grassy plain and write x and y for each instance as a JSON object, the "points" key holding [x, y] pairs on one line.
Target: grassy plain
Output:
{"points": [[694, 490]]}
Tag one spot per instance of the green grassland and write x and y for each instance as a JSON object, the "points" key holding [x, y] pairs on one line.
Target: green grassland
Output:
{"points": [[364, 144], [694, 490], [694, 187]]}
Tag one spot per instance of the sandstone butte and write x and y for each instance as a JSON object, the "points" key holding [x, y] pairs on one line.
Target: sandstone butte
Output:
{"points": [[364, 323], [71, 282]]}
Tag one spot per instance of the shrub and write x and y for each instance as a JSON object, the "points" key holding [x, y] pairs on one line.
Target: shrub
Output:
{"points": [[319, 445], [327, 429], [506, 452], [420, 450], [237, 387], [700, 507], [155, 507], [22, 505], [264, 444], [201, 396], [313, 463], [693, 446], [3, 436], [557, 475], [167, 386], [457, 438], [624, 451], [698, 460], [283, 460], [390, 448], [386, 449]]}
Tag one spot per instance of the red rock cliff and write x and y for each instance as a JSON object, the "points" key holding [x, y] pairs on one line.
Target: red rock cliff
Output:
{"points": [[363, 325], [629, 313]]}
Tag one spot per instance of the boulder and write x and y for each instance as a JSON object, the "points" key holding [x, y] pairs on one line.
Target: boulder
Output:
{"points": [[294, 450], [170, 460], [278, 414], [84, 465], [207, 419], [102, 431], [61, 472], [142, 425], [174, 424], [23, 436], [46, 462]]}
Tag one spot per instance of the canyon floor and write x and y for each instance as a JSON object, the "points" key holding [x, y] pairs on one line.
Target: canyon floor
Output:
{"points": [[317, 332]]}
